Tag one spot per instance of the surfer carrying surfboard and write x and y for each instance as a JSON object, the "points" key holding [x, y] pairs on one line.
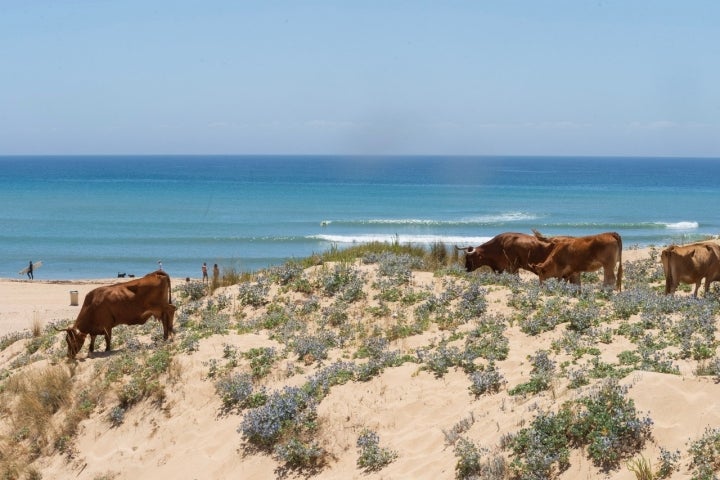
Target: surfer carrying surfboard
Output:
{"points": [[30, 271]]}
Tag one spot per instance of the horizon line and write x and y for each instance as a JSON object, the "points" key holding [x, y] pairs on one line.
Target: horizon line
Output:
{"points": [[393, 155]]}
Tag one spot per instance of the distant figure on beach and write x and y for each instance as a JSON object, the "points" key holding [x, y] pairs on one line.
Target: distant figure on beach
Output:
{"points": [[30, 271], [216, 274], [159, 265], [204, 272]]}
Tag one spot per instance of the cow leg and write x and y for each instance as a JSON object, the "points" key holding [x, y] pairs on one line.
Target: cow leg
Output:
{"points": [[165, 324], [697, 287], [92, 342], [108, 338], [574, 279], [609, 277], [168, 318]]}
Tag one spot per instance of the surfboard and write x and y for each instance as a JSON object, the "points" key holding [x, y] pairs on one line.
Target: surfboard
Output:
{"points": [[36, 265]]}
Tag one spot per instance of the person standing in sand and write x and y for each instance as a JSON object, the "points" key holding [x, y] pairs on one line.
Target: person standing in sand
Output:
{"points": [[216, 274], [159, 265], [30, 271], [204, 272]]}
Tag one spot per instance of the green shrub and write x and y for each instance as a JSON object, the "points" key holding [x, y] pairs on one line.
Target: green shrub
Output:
{"points": [[705, 453], [488, 380], [541, 375], [373, 457], [604, 422], [609, 424], [237, 392]]}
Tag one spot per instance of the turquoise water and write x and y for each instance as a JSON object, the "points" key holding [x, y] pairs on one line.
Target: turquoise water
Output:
{"points": [[92, 217]]}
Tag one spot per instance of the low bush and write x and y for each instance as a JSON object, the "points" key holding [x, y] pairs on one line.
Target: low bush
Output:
{"points": [[488, 380], [605, 422], [238, 392], [372, 457], [705, 455]]}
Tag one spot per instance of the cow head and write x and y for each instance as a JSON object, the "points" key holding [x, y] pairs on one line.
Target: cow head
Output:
{"points": [[75, 340], [542, 270], [472, 257]]}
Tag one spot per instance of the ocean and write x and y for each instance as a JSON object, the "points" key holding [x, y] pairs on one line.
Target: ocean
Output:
{"points": [[97, 216]]}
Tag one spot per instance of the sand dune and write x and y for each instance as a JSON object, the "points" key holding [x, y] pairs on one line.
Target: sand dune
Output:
{"points": [[187, 435]]}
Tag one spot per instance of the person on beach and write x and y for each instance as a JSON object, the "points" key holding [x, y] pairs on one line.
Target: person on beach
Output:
{"points": [[30, 271], [204, 272], [216, 274], [159, 265]]}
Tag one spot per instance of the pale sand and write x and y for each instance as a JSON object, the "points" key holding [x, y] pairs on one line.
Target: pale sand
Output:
{"points": [[25, 302], [188, 439]]}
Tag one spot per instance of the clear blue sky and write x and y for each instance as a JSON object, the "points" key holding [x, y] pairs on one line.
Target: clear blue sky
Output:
{"points": [[507, 77]]}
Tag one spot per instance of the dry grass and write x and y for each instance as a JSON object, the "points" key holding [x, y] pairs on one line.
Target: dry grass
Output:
{"points": [[30, 399], [36, 327]]}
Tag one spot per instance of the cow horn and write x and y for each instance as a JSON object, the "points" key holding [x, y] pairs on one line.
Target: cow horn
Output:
{"points": [[467, 249], [61, 329]]}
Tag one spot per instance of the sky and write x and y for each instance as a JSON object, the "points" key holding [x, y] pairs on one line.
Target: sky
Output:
{"points": [[360, 77]]}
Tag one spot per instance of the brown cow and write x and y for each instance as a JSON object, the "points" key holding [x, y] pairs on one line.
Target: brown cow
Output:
{"points": [[508, 252], [129, 303], [573, 255], [690, 264]]}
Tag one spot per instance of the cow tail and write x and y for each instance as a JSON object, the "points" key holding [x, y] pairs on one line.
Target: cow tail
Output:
{"points": [[668, 271], [618, 282], [169, 290]]}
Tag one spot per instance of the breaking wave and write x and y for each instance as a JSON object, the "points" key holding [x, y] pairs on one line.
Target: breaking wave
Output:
{"points": [[473, 220], [682, 225], [403, 239]]}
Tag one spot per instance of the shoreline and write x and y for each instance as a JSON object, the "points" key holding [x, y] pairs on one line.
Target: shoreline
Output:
{"points": [[45, 301]]}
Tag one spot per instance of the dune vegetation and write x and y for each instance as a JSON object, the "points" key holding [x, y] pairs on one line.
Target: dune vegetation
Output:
{"points": [[378, 361]]}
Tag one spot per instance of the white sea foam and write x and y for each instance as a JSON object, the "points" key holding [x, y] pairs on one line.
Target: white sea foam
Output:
{"points": [[682, 226], [404, 221], [481, 219], [402, 239], [503, 217]]}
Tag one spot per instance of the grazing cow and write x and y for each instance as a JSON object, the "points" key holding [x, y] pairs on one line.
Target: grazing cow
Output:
{"points": [[508, 252], [128, 303], [690, 264], [572, 255]]}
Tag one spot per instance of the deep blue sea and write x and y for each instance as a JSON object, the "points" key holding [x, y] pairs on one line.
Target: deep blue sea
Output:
{"points": [[95, 216]]}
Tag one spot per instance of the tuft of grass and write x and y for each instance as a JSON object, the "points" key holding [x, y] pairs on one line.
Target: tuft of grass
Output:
{"points": [[36, 327], [454, 434], [641, 467]]}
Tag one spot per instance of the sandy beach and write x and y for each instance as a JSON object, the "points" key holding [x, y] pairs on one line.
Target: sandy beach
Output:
{"points": [[411, 409], [28, 301]]}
